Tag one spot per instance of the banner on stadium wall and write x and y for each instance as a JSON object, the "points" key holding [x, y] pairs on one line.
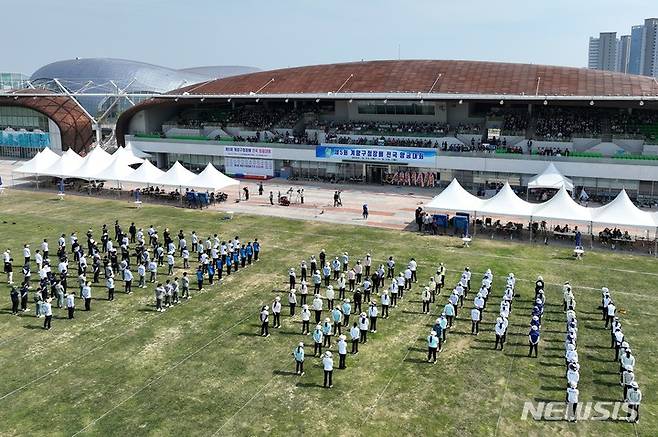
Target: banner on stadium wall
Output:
{"points": [[248, 152], [401, 155], [249, 166], [24, 139]]}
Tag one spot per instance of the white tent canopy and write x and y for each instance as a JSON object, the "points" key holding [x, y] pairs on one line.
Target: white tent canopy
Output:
{"points": [[39, 163], [65, 165], [176, 176], [147, 173], [507, 203], [455, 198], [562, 207], [550, 178], [622, 211], [127, 155], [135, 151], [213, 179], [118, 170], [94, 163]]}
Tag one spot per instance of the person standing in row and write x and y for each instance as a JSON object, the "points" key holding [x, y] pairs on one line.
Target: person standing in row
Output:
{"points": [[306, 318], [298, 353], [264, 321], [342, 351], [276, 312], [533, 340], [328, 366], [48, 313], [70, 304], [86, 295], [432, 346], [292, 302]]}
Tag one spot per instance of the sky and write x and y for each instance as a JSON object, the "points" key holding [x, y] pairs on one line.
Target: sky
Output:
{"points": [[281, 33]]}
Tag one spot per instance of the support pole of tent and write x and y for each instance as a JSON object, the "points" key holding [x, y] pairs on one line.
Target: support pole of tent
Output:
{"points": [[475, 224], [531, 223], [655, 243], [591, 235]]}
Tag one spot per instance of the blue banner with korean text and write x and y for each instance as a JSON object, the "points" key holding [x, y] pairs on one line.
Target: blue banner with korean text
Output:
{"points": [[424, 157]]}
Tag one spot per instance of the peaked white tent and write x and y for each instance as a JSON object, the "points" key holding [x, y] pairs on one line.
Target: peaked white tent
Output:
{"points": [[127, 155], [147, 173], [176, 176], [65, 165], [118, 170], [94, 163], [550, 178], [213, 179], [507, 203], [622, 211], [562, 207], [40, 162], [135, 151], [455, 198]]}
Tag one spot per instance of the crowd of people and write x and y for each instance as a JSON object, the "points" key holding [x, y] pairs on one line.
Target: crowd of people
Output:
{"points": [[134, 258], [382, 128], [560, 124]]}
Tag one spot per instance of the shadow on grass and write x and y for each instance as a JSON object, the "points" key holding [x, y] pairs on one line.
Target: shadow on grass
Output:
{"points": [[416, 361], [249, 334], [606, 383], [545, 364], [284, 373], [309, 385]]}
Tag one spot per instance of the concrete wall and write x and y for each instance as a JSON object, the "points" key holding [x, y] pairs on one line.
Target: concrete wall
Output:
{"points": [[55, 136]]}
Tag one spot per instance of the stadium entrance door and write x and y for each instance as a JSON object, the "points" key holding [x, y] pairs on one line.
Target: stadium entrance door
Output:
{"points": [[375, 173]]}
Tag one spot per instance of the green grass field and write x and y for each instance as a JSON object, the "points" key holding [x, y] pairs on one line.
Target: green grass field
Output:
{"points": [[201, 369]]}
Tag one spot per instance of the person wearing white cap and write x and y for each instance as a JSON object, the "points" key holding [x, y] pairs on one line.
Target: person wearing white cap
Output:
{"points": [[303, 270], [337, 320], [616, 324], [328, 366], [440, 278], [618, 340], [327, 332], [265, 321], [276, 312], [317, 280], [303, 291], [298, 353], [408, 274], [330, 295], [386, 302], [342, 351], [318, 338], [566, 290], [605, 300], [572, 402], [533, 340], [432, 346], [306, 317], [401, 284], [342, 285], [317, 307], [347, 310], [539, 284], [393, 291], [475, 321], [373, 312], [449, 311], [26, 254], [573, 374], [9, 270], [367, 263], [292, 278], [345, 260], [292, 302], [627, 359], [627, 379], [413, 266], [355, 335], [426, 296], [432, 287], [633, 399], [363, 327], [500, 329], [390, 264], [611, 313], [351, 279], [358, 270], [571, 355], [335, 267]]}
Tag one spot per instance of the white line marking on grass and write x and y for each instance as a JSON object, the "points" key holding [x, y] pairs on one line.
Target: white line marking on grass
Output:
{"points": [[68, 363], [371, 409], [162, 375], [509, 374], [243, 406]]}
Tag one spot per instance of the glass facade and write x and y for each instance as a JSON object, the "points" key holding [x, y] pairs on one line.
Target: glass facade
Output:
{"points": [[396, 109], [13, 81], [16, 117]]}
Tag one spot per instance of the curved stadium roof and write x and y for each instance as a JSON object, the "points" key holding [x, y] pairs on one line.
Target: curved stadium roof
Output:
{"points": [[439, 77], [135, 76], [73, 123]]}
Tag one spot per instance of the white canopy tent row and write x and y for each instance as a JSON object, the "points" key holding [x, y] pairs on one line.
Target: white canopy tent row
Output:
{"points": [[620, 212], [550, 178]]}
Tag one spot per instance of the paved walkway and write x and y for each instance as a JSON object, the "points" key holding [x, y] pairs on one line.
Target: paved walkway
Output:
{"points": [[389, 206]]}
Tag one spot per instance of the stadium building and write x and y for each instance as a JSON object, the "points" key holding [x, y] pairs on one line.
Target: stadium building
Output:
{"points": [[28, 124], [413, 122]]}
